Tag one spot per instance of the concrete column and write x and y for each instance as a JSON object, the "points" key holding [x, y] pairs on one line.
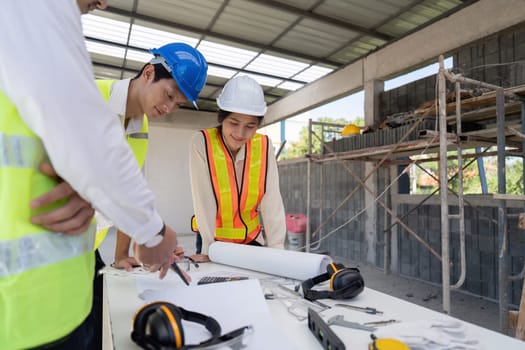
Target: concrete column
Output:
{"points": [[372, 90], [371, 214], [392, 246]]}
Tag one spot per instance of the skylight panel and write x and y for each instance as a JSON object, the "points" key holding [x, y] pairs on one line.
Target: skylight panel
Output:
{"points": [[104, 49], [226, 55], [313, 73], [288, 85], [276, 66], [139, 56], [153, 38], [221, 72], [262, 80], [105, 28]]}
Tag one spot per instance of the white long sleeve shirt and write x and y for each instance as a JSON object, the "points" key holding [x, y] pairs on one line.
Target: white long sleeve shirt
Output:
{"points": [[271, 207], [45, 70], [118, 97]]}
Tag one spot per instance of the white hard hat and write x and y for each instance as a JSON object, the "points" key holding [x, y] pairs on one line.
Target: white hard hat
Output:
{"points": [[244, 95]]}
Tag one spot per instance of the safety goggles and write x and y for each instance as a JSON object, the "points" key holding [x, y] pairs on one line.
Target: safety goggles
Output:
{"points": [[235, 340]]}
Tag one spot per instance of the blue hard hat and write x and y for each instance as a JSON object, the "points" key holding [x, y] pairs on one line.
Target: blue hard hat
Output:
{"points": [[187, 66]]}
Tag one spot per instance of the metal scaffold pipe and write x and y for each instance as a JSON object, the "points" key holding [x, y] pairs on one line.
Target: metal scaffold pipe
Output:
{"points": [[461, 201], [502, 217], [443, 184]]}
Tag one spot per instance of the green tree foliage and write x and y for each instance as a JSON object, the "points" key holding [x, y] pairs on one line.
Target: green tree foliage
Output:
{"points": [[299, 148], [471, 178], [513, 176]]}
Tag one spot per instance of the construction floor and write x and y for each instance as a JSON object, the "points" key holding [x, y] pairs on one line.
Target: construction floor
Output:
{"points": [[469, 308]]}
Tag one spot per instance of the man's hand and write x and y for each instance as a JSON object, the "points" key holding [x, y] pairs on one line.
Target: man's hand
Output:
{"points": [[160, 257], [73, 217]]}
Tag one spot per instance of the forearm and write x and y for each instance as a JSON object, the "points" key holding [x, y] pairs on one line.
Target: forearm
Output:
{"points": [[206, 242], [122, 246], [272, 207], [275, 233], [202, 193]]}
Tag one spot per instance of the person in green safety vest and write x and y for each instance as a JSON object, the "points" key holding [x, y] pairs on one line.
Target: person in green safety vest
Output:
{"points": [[51, 112]]}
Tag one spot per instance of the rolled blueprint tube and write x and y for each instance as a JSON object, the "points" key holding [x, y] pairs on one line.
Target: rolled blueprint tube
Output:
{"points": [[280, 262]]}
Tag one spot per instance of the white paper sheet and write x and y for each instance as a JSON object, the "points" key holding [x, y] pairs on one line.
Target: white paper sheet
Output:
{"points": [[232, 304], [285, 263]]}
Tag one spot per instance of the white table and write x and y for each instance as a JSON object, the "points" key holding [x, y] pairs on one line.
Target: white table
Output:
{"points": [[121, 301]]}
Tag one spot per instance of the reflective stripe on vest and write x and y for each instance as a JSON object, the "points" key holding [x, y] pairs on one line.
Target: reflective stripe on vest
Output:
{"points": [[237, 218], [139, 135], [45, 278], [46, 248], [20, 151], [137, 141]]}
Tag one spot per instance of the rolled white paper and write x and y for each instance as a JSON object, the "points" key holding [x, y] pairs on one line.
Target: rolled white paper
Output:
{"points": [[280, 262]]}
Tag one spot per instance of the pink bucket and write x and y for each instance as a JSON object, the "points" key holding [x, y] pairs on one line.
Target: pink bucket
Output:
{"points": [[296, 223]]}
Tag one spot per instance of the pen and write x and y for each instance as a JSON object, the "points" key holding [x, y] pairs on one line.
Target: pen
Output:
{"points": [[179, 272], [367, 309]]}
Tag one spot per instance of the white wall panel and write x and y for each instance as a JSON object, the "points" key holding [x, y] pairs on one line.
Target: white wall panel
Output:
{"points": [[167, 172]]}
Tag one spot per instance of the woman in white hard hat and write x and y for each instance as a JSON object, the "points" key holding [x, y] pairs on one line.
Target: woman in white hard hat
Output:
{"points": [[234, 174]]}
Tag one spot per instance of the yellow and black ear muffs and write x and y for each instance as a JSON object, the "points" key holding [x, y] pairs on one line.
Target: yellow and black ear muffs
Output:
{"points": [[345, 283], [158, 325]]}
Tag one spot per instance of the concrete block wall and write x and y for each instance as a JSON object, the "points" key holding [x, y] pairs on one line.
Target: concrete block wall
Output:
{"points": [[413, 259], [408, 97], [498, 59], [347, 242], [482, 246]]}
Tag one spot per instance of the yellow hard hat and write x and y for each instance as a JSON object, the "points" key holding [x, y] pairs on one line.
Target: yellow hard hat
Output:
{"points": [[351, 129]]}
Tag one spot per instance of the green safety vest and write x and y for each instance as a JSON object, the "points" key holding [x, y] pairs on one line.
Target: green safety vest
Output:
{"points": [[46, 278], [137, 141]]}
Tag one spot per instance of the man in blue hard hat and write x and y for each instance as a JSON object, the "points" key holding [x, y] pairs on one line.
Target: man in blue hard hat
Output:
{"points": [[175, 76]]}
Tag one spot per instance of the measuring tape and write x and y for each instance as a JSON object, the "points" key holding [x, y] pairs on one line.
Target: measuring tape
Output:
{"points": [[386, 344]]}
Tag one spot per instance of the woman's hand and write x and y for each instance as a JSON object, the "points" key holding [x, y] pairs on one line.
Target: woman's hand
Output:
{"points": [[200, 258]]}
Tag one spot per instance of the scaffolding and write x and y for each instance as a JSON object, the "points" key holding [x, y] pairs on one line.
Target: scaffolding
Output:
{"points": [[508, 134]]}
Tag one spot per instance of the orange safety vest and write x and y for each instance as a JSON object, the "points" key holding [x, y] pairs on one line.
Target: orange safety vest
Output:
{"points": [[237, 218]]}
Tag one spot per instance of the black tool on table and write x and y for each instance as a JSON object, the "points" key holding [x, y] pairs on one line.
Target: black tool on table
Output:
{"points": [[321, 330], [216, 279], [191, 260], [177, 269]]}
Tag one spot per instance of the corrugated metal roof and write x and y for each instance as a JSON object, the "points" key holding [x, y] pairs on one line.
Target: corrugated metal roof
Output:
{"points": [[283, 44]]}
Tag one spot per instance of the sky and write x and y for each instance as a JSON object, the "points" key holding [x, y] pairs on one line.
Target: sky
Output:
{"points": [[349, 107]]}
